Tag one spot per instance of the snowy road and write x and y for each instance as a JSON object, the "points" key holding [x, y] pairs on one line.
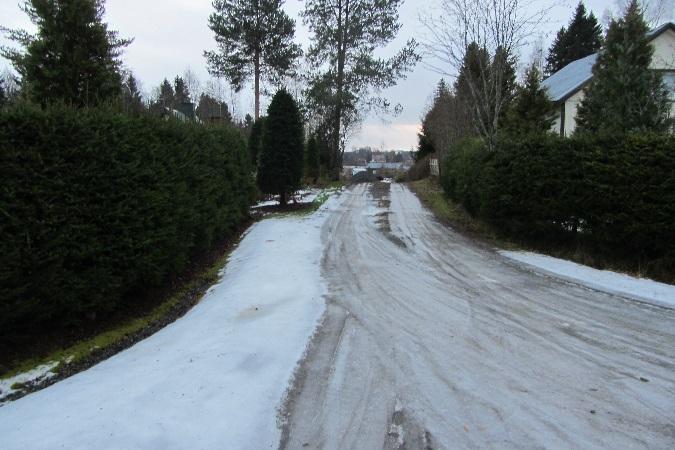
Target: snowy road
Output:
{"points": [[431, 341]]}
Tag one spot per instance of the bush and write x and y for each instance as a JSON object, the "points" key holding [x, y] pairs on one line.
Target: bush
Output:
{"points": [[613, 194], [96, 205]]}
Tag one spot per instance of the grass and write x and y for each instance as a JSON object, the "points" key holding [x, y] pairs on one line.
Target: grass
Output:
{"points": [[80, 352], [431, 194]]}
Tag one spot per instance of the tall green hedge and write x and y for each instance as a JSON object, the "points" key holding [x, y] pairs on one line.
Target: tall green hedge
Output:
{"points": [[613, 194], [95, 205]]}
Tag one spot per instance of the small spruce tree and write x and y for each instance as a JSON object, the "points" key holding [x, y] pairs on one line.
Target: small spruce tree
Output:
{"points": [[3, 96], [532, 110], [624, 95], [281, 158], [131, 97]]}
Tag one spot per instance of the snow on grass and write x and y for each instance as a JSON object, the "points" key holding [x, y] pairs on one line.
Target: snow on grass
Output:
{"points": [[642, 289], [212, 379], [12, 384]]}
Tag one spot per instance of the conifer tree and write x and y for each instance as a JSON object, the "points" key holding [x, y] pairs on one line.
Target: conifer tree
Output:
{"points": [[281, 158], [425, 146], [166, 95], [624, 95], [312, 158], [532, 110], [181, 93], [73, 58], [131, 97], [345, 68], [211, 110], [255, 38], [583, 37], [255, 141]]}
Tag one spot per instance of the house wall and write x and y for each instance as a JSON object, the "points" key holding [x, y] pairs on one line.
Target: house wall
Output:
{"points": [[663, 59], [664, 51]]}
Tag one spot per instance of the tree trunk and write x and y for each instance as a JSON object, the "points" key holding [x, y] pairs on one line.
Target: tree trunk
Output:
{"points": [[283, 201], [336, 160], [256, 64]]}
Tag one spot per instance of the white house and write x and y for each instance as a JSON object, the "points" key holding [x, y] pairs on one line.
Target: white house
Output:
{"points": [[566, 86]]}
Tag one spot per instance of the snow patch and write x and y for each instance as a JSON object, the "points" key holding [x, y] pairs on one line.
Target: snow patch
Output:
{"points": [[642, 289], [37, 374], [212, 379]]}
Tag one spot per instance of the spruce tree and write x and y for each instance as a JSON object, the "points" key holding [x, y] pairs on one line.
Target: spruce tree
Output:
{"points": [[131, 97], [73, 58], [181, 92], [166, 95], [254, 37], [624, 95], [255, 141], [581, 38], [425, 146], [281, 158], [532, 110]]}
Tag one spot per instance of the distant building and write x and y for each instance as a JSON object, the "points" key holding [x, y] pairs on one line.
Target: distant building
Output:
{"points": [[566, 86]]}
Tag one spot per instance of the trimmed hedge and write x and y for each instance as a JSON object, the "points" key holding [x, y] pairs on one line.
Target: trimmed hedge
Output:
{"points": [[613, 194], [95, 205]]}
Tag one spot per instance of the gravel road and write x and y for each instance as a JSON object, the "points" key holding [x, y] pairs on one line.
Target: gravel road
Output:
{"points": [[432, 341]]}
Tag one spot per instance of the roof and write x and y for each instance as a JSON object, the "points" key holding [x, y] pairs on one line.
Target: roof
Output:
{"points": [[383, 165], [568, 80]]}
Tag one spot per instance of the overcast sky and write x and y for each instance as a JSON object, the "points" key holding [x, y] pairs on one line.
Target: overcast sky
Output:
{"points": [[171, 35]]}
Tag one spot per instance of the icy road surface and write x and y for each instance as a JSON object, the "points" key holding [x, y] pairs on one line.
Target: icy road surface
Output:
{"points": [[430, 341]]}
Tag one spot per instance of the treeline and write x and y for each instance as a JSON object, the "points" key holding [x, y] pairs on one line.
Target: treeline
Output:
{"points": [[609, 189], [97, 205]]}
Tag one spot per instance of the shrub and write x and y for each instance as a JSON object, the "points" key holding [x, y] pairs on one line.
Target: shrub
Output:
{"points": [[614, 194], [96, 205]]}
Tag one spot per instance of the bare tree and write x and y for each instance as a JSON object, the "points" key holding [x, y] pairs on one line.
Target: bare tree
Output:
{"points": [[498, 27], [192, 82]]}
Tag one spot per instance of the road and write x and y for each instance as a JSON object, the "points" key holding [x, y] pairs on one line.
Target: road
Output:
{"points": [[432, 341]]}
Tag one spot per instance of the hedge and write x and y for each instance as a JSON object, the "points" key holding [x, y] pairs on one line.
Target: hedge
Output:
{"points": [[613, 194], [95, 205]]}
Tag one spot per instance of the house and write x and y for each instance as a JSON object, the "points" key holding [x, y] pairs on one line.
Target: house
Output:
{"points": [[566, 86]]}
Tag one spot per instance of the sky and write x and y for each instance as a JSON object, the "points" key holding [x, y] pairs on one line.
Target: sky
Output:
{"points": [[171, 36]]}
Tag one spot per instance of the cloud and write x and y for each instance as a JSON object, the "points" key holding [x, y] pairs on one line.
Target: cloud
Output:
{"points": [[394, 136]]}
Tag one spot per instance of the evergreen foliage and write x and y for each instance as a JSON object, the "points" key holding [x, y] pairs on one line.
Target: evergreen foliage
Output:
{"points": [[624, 95], [255, 140], [281, 159], [167, 97], [181, 93], [532, 110], [425, 146], [131, 97], [73, 58], [210, 110], [312, 161], [98, 205], [3, 96], [613, 195], [345, 71], [255, 38], [581, 38]]}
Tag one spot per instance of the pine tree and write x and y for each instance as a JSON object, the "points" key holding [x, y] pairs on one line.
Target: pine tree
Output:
{"points": [[73, 58], [624, 95], [131, 97], [255, 140], [281, 159], [181, 93], [583, 37], [532, 110], [345, 36], [254, 37]]}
